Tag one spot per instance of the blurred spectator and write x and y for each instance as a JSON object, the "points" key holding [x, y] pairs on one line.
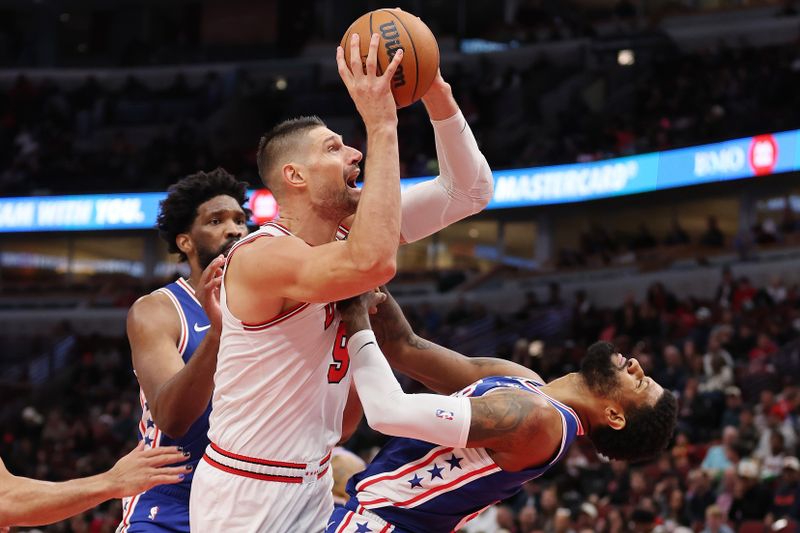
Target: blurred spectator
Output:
{"points": [[713, 236]]}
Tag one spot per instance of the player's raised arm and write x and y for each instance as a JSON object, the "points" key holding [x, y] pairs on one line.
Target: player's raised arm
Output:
{"points": [[464, 185], [28, 502], [438, 368]]}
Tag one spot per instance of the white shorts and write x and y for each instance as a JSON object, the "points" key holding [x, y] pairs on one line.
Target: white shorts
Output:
{"points": [[221, 501]]}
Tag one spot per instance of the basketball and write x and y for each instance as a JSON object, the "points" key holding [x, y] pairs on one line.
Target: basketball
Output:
{"points": [[399, 29]]}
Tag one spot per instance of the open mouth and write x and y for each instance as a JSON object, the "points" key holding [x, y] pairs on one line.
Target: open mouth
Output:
{"points": [[352, 177]]}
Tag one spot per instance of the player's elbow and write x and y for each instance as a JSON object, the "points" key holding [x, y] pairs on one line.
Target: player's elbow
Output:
{"points": [[378, 270], [173, 429], [171, 426], [485, 187]]}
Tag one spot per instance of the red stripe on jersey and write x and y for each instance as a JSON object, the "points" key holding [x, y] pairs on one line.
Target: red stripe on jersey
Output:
{"points": [[375, 502], [253, 475], [280, 318], [385, 528], [278, 226], [256, 461], [446, 485], [364, 484], [345, 523], [131, 505]]}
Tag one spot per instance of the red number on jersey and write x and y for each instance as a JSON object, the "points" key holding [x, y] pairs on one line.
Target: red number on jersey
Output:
{"points": [[341, 357]]}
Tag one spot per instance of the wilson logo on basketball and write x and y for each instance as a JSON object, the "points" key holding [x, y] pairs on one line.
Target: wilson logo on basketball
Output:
{"points": [[392, 44]]}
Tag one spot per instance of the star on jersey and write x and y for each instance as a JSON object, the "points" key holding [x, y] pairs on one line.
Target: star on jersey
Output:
{"points": [[436, 471], [455, 462], [147, 441], [416, 481], [362, 528], [150, 423]]}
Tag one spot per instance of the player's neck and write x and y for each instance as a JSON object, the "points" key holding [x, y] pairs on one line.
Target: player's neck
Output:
{"points": [[309, 226], [571, 390]]}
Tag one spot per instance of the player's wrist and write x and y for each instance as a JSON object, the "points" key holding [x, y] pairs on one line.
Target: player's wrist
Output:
{"points": [[382, 127]]}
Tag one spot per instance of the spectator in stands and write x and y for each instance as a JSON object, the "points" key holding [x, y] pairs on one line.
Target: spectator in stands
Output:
{"points": [[751, 498], [676, 235], [719, 456], [786, 500], [715, 521], [713, 236]]}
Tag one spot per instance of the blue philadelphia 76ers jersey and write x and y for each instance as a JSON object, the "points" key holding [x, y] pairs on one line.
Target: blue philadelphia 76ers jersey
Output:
{"points": [[166, 507], [420, 487]]}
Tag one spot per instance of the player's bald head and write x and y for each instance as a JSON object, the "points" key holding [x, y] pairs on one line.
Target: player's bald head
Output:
{"points": [[283, 144]]}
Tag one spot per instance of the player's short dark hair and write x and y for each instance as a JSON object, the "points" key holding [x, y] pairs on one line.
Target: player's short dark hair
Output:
{"points": [[647, 432], [274, 142], [178, 211]]}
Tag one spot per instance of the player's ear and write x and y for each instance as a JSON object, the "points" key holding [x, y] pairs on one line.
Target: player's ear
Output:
{"points": [[615, 417], [184, 243], [292, 175]]}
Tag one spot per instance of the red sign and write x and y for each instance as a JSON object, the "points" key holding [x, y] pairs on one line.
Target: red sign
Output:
{"points": [[263, 206], [763, 154]]}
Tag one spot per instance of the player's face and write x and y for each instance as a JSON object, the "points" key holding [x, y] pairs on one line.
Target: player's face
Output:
{"points": [[634, 387], [220, 222], [332, 169]]}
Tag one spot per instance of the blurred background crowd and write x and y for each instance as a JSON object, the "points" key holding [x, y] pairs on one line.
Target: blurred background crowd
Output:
{"points": [[700, 285]]}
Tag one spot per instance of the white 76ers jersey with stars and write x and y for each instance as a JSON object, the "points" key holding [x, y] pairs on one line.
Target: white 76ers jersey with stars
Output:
{"points": [[419, 487]]}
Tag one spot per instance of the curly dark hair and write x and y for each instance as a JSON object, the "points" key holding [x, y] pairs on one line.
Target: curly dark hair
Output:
{"points": [[178, 211], [276, 142], [647, 432]]}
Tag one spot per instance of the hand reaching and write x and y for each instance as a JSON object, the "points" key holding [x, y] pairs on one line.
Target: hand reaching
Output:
{"points": [[143, 469]]}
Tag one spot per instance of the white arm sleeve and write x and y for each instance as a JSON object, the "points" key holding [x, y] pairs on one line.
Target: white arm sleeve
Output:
{"points": [[464, 185], [442, 420]]}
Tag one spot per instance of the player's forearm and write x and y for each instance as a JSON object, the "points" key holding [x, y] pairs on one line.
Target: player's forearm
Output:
{"points": [[185, 396], [375, 234], [464, 185], [27, 502], [442, 420]]}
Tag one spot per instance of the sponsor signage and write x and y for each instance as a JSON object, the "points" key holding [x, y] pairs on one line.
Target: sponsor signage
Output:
{"points": [[751, 157]]}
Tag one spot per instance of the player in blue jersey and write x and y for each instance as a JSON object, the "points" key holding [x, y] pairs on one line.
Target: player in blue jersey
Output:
{"points": [[520, 428], [174, 342]]}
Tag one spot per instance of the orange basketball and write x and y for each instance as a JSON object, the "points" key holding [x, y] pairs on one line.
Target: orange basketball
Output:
{"points": [[399, 29]]}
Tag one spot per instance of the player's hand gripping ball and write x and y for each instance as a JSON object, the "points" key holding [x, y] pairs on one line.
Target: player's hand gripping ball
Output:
{"points": [[399, 29]]}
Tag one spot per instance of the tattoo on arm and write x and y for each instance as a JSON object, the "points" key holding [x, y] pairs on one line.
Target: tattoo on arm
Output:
{"points": [[418, 342], [498, 415]]}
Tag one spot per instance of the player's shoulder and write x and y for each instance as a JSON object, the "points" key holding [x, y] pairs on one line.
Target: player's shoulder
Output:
{"points": [[151, 310], [539, 416]]}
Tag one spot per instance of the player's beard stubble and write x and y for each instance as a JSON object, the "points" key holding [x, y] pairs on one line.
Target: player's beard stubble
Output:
{"points": [[206, 254]]}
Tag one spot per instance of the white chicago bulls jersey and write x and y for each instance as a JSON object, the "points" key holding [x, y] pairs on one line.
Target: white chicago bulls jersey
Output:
{"points": [[280, 387]]}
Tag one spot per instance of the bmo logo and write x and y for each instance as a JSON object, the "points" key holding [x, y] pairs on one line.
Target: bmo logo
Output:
{"points": [[728, 160], [263, 206], [763, 154]]}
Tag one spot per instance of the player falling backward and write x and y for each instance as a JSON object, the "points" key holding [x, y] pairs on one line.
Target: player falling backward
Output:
{"points": [[519, 427], [282, 376]]}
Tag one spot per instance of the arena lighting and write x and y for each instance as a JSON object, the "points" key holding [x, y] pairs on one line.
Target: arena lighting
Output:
{"points": [[749, 157], [626, 57]]}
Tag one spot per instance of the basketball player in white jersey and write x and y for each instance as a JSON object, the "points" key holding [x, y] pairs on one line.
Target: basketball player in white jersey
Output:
{"points": [[283, 375]]}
